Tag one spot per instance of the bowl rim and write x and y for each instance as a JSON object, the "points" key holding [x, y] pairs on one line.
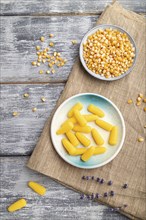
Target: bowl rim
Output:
{"points": [[104, 26], [122, 139]]}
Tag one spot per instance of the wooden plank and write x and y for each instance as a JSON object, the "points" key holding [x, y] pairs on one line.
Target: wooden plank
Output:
{"points": [[20, 35], [58, 203], [33, 7], [20, 134]]}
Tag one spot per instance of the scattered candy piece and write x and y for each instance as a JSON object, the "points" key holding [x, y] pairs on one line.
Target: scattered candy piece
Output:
{"points": [[144, 109], [39, 189], [17, 205], [48, 71]]}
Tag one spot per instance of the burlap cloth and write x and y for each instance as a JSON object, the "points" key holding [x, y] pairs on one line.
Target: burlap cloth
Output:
{"points": [[129, 165]]}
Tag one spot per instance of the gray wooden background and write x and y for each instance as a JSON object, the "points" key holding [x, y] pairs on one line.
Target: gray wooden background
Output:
{"points": [[23, 22]]}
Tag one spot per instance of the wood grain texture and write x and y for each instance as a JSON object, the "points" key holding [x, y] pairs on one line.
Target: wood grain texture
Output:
{"points": [[20, 35], [20, 134], [33, 7], [58, 203]]}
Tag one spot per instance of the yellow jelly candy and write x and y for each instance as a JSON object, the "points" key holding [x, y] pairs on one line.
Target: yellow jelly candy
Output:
{"points": [[79, 151], [77, 106], [65, 128], [85, 129], [99, 150], [72, 120], [97, 137], [95, 110], [88, 153], [72, 138], [68, 146], [103, 124], [83, 139], [80, 118], [113, 138], [90, 117], [39, 189], [17, 205]]}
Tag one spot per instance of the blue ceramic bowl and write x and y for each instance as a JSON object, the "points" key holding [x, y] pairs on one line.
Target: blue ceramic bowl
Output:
{"points": [[112, 115]]}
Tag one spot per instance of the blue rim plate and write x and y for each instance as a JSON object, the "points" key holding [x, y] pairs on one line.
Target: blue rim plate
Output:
{"points": [[112, 115]]}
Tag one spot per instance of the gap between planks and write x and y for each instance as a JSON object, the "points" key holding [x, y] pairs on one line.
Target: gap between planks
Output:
{"points": [[35, 83], [60, 14]]}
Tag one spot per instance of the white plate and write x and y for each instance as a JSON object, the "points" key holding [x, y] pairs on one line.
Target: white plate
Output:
{"points": [[112, 115]]}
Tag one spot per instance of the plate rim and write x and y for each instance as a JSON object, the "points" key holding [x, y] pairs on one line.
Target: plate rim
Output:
{"points": [[121, 143], [97, 76]]}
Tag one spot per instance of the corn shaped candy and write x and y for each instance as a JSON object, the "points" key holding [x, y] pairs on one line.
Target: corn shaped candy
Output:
{"points": [[77, 106], [113, 138], [103, 124], [17, 205], [39, 189], [83, 139], [65, 128], [80, 118], [88, 153], [99, 150], [97, 137], [90, 117], [85, 129], [72, 138], [95, 110], [72, 120], [79, 151], [68, 146]]}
